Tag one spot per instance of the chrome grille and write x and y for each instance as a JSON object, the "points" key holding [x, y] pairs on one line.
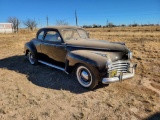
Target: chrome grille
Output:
{"points": [[120, 66]]}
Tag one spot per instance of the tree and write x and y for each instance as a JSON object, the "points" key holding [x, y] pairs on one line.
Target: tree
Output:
{"points": [[87, 26], [94, 26], [134, 25], [15, 21], [61, 22], [30, 24], [111, 25], [123, 25]]}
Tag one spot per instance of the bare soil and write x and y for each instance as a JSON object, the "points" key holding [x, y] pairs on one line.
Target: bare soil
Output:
{"points": [[42, 93]]}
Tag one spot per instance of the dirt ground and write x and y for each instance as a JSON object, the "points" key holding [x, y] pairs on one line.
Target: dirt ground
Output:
{"points": [[42, 93]]}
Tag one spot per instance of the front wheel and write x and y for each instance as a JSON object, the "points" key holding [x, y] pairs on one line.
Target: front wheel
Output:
{"points": [[32, 59], [86, 77]]}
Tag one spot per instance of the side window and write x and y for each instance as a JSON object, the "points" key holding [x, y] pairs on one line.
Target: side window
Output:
{"points": [[52, 36], [40, 36]]}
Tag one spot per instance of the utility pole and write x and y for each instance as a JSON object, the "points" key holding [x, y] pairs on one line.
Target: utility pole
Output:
{"points": [[17, 25], [76, 18], [47, 20], [107, 23]]}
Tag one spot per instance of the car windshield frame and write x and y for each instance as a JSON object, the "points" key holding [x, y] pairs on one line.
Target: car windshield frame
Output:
{"points": [[73, 34]]}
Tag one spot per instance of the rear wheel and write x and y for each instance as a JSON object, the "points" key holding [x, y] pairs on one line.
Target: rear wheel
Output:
{"points": [[86, 77], [31, 58]]}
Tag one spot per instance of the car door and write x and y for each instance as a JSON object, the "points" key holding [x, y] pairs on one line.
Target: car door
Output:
{"points": [[37, 43], [52, 48]]}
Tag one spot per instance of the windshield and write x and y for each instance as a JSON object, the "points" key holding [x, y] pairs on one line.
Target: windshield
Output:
{"points": [[73, 34]]}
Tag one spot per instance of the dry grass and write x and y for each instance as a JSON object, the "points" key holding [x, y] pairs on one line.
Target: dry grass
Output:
{"points": [[40, 92]]}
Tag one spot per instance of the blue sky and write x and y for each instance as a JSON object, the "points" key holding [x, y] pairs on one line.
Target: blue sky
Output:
{"points": [[88, 11]]}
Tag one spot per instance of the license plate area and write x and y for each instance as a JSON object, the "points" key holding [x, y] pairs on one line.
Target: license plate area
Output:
{"points": [[113, 73]]}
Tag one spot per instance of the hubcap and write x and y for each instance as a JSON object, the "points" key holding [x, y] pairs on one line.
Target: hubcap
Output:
{"points": [[31, 59], [84, 75]]}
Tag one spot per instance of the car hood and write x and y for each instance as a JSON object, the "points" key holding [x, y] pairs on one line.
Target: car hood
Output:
{"points": [[97, 45]]}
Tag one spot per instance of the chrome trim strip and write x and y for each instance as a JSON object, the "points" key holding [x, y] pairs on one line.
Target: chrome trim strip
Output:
{"points": [[122, 62], [95, 48], [120, 66], [53, 66]]}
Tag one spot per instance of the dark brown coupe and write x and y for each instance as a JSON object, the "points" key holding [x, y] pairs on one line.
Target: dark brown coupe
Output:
{"points": [[67, 47]]}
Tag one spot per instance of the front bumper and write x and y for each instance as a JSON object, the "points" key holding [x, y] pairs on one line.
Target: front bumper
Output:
{"points": [[120, 76]]}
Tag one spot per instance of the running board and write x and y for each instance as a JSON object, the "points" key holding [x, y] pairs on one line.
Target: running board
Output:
{"points": [[53, 66]]}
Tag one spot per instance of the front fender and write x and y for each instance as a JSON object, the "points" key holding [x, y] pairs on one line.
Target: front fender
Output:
{"points": [[88, 58]]}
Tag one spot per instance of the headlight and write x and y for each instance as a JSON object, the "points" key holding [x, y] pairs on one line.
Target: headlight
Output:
{"points": [[130, 55]]}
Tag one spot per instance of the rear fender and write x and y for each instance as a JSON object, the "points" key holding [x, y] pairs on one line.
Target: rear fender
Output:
{"points": [[30, 47]]}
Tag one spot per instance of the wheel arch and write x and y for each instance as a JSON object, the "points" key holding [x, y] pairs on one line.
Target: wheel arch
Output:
{"points": [[29, 47]]}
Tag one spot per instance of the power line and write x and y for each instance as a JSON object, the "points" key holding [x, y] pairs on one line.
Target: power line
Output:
{"points": [[122, 15]]}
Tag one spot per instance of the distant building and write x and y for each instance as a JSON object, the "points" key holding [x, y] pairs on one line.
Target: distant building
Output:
{"points": [[6, 28]]}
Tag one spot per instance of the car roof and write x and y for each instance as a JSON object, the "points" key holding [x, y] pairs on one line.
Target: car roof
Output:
{"points": [[62, 27]]}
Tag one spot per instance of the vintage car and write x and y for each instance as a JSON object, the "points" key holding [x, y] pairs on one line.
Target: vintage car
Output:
{"points": [[70, 49]]}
